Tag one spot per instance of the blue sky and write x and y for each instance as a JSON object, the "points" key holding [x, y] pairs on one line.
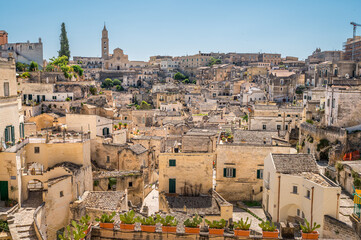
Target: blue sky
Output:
{"points": [[143, 28]]}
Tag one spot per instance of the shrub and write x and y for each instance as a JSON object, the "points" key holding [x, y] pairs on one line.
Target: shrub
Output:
{"points": [[193, 222], [67, 99], [25, 75], [93, 90], [242, 225], [267, 226], [309, 121], [127, 218], [146, 221], [308, 228], [106, 218], [167, 221], [216, 224], [116, 82]]}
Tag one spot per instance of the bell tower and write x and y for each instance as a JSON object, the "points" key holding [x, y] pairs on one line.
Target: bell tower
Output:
{"points": [[105, 43]]}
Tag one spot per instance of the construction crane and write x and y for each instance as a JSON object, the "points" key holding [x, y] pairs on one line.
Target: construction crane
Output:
{"points": [[354, 35]]}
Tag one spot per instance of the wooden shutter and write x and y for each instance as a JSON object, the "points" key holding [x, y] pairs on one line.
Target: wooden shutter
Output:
{"points": [[6, 134], [12, 134]]}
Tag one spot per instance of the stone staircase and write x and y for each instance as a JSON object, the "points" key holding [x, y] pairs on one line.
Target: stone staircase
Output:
{"points": [[21, 222]]}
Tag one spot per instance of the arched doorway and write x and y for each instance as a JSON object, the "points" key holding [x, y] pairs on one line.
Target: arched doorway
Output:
{"points": [[35, 185]]}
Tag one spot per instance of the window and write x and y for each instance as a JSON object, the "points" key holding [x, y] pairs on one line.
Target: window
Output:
{"points": [[278, 127], [36, 149], [286, 127], [130, 184], [264, 127], [298, 212], [303, 215], [308, 150], [229, 172], [61, 194], [261, 189], [108, 159], [308, 194], [259, 173], [6, 89], [288, 115], [172, 162], [54, 97], [294, 190], [279, 115]]}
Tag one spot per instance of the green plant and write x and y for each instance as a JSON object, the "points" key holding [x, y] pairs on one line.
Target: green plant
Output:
{"points": [[308, 228], [267, 226], [193, 222], [216, 224], [309, 121], [146, 221], [167, 221], [85, 220], [242, 225], [127, 218], [25, 75], [4, 227], [106, 218], [322, 144], [67, 99], [93, 90], [76, 234]]}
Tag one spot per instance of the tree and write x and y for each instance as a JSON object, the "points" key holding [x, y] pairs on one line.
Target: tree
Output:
{"points": [[144, 106], [120, 88], [64, 43], [33, 66], [93, 90], [22, 67], [179, 76], [213, 61], [78, 70], [116, 82], [108, 83]]}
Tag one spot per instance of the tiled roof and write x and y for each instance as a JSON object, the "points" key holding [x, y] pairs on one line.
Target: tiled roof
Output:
{"points": [[294, 163], [103, 200], [254, 137], [138, 148]]}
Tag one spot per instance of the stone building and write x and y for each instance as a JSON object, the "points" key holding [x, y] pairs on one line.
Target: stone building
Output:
{"points": [[282, 85], [295, 190], [239, 165], [272, 58], [11, 126], [23, 52], [342, 108]]}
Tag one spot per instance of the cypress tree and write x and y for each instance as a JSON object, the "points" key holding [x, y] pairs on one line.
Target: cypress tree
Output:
{"points": [[64, 43]]}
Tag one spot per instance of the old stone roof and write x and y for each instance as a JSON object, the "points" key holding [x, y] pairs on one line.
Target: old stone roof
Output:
{"points": [[202, 205], [254, 137], [138, 148], [67, 165], [114, 174], [109, 200], [294, 163]]}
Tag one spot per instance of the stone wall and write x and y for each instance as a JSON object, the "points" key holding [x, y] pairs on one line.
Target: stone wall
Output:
{"points": [[335, 229]]}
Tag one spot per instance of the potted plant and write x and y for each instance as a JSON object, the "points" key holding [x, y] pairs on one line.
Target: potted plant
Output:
{"points": [[169, 223], [127, 221], [191, 225], [241, 228], [268, 230], [216, 227], [125, 125], [147, 224], [106, 221], [85, 221], [308, 231]]}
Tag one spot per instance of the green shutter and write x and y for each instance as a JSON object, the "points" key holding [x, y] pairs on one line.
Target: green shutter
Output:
{"points": [[224, 172], [258, 173], [6, 134], [172, 163], [12, 134], [234, 172], [22, 129]]}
